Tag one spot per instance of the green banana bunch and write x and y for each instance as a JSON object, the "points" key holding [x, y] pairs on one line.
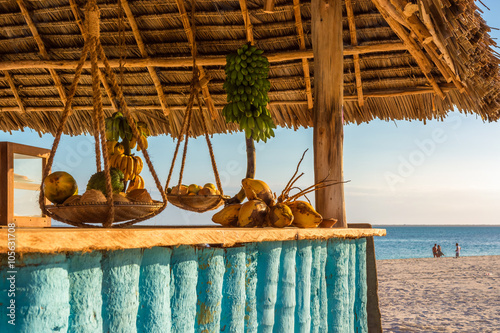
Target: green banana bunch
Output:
{"points": [[247, 86]]}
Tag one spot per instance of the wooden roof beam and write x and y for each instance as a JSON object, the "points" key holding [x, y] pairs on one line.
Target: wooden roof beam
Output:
{"points": [[354, 42], [419, 90], [12, 86], [190, 36], [144, 54], [42, 49], [201, 60], [412, 46], [302, 44], [413, 22]]}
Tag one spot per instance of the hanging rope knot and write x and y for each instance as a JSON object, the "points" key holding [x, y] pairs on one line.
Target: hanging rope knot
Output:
{"points": [[92, 14]]}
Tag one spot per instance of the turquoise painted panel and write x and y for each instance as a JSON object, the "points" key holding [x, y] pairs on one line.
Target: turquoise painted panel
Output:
{"points": [[184, 281], [336, 277], [284, 315], [360, 314], [303, 287], [154, 291], [267, 284], [294, 286], [85, 283], [233, 299], [120, 290], [209, 289], [252, 253]]}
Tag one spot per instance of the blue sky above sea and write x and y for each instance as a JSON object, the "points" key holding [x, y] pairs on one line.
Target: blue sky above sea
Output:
{"points": [[443, 172]]}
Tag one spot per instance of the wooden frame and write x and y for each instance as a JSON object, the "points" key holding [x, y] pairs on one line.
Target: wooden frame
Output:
{"points": [[7, 151]]}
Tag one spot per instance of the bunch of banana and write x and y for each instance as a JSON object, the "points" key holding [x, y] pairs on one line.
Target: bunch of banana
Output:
{"points": [[247, 86], [112, 125], [136, 184], [131, 166]]}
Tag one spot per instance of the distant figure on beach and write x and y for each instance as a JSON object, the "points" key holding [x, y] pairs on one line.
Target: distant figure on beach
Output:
{"points": [[434, 251], [439, 252], [457, 251]]}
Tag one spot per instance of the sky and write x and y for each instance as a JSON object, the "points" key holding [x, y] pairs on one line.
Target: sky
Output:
{"points": [[443, 172]]}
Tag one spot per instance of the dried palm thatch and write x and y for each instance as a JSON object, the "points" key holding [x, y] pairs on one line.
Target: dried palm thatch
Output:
{"points": [[402, 60]]}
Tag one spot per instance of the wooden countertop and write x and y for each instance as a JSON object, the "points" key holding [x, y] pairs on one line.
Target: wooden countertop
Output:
{"points": [[51, 240]]}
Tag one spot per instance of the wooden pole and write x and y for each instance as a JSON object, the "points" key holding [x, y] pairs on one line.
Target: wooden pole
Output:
{"points": [[328, 118]]}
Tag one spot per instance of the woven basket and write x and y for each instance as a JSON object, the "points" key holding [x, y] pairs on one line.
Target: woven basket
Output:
{"points": [[196, 203], [96, 212]]}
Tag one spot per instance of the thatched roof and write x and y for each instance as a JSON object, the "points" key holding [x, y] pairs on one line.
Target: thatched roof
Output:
{"points": [[404, 56]]}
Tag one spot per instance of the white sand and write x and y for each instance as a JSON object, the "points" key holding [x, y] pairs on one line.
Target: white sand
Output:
{"points": [[440, 295]]}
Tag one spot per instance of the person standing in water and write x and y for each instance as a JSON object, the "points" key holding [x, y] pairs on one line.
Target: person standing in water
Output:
{"points": [[434, 251], [457, 251]]}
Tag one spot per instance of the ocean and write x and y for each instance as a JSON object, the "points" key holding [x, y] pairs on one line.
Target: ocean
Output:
{"points": [[404, 242]]}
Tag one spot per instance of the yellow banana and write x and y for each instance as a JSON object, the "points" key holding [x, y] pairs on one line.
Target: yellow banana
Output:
{"points": [[132, 143], [144, 141], [114, 159], [140, 182], [123, 167], [130, 167], [138, 165], [111, 147]]}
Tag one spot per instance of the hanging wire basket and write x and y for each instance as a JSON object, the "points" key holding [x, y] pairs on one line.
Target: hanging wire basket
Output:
{"points": [[110, 213]]}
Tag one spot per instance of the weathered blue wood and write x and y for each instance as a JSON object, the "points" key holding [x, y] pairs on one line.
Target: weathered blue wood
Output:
{"points": [[209, 289], [42, 294], [251, 323], [85, 283], [154, 291], [361, 321], [294, 286], [120, 290], [337, 284], [184, 280], [351, 271], [316, 277], [324, 292], [303, 280], [284, 318], [233, 301], [267, 284]]}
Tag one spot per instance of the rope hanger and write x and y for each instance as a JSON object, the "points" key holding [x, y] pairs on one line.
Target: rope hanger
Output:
{"points": [[93, 46]]}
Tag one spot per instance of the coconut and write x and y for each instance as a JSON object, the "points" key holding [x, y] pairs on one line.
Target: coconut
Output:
{"points": [[257, 189], [304, 215], [228, 216], [74, 199], [140, 195], [280, 216], [252, 213], [93, 196]]}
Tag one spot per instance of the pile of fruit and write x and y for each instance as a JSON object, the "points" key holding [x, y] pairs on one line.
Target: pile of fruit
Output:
{"points": [[61, 188], [262, 210], [120, 155], [193, 189], [247, 86]]}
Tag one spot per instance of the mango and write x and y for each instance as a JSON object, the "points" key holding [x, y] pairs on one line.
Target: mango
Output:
{"points": [[207, 191], [193, 188], [182, 190]]}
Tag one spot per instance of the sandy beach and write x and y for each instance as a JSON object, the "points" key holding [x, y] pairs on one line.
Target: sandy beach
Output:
{"points": [[440, 295]]}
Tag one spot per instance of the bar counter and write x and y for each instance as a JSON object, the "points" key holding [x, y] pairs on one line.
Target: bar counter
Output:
{"points": [[192, 279]]}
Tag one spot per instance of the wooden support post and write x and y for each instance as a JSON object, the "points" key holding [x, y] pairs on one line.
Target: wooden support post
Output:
{"points": [[246, 19], [268, 6], [328, 115]]}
